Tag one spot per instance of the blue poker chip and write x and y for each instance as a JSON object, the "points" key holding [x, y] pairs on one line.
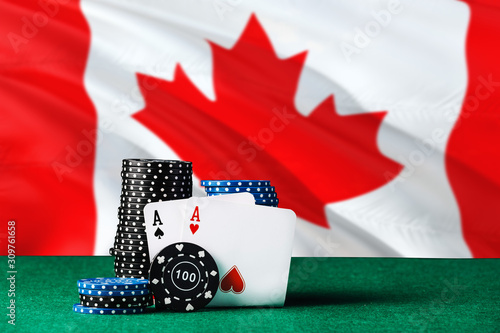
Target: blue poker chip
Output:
{"points": [[272, 201], [98, 292], [261, 195], [260, 189], [78, 308], [237, 183], [113, 283]]}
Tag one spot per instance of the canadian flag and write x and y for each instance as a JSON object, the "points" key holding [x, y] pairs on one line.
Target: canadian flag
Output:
{"points": [[377, 121]]}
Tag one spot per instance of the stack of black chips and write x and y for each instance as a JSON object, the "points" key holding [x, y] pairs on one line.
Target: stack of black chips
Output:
{"points": [[144, 181]]}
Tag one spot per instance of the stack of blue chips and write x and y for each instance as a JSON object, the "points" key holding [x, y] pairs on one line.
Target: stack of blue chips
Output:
{"points": [[263, 192], [109, 296]]}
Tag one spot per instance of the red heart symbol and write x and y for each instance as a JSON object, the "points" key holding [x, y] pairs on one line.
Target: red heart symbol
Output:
{"points": [[232, 281], [194, 227]]}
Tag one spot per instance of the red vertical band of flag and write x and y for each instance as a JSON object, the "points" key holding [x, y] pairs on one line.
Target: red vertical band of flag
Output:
{"points": [[473, 152], [47, 129]]}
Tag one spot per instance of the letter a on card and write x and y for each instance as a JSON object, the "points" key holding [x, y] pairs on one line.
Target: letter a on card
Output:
{"points": [[196, 215]]}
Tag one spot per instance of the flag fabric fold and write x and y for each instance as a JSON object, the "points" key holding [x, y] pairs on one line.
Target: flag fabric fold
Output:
{"points": [[377, 121]]}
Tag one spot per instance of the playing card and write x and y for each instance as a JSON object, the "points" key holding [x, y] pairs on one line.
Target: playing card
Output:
{"points": [[251, 245], [159, 215]]}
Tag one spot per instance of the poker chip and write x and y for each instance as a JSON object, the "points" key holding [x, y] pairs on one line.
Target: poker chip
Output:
{"points": [[136, 200], [159, 197], [158, 186], [164, 180], [131, 229], [157, 163], [131, 218], [240, 189], [236, 183], [126, 247], [272, 201], [131, 271], [129, 205], [132, 266], [145, 277], [135, 254], [183, 277], [115, 301], [117, 305], [256, 195], [156, 191], [103, 311], [129, 235], [133, 224], [130, 241], [99, 292], [130, 211], [131, 260], [155, 176], [138, 230], [153, 170], [110, 283]]}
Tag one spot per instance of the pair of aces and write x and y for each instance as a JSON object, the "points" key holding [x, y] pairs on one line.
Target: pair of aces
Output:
{"points": [[251, 244]]}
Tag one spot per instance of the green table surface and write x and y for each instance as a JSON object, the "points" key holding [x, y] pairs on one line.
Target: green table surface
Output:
{"points": [[324, 294]]}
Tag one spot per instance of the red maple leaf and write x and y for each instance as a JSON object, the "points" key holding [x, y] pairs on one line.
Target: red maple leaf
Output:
{"points": [[253, 131]]}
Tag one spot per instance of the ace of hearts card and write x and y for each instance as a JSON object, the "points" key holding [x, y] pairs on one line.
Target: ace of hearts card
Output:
{"points": [[251, 244]]}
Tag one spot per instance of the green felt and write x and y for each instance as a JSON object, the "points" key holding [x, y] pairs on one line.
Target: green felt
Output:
{"points": [[324, 294]]}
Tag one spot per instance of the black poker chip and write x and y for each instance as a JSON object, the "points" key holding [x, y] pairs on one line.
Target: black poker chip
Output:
{"points": [[166, 193], [128, 276], [159, 197], [158, 186], [130, 211], [137, 200], [124, 247], [116, 302], [138, 173], [132, 271], [156, 176], [130, 205], [131, 235], [131, 260], [155, 169], [133, 223], [136, 242], [130, 229], [156, 163], [183, 277], [156, 191], [139, 162], [127, 217], [131, 217], [164, 180], [134, 254], [143, 265]]}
